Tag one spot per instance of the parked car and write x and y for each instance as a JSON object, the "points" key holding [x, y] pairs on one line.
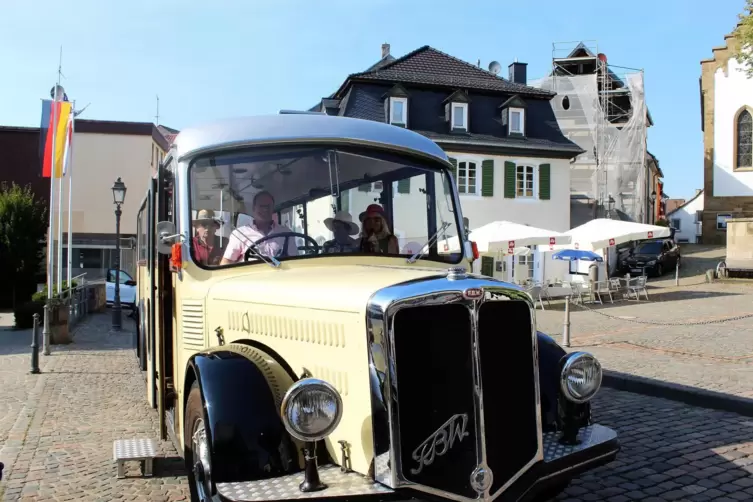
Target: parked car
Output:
{"points": [[654, 256], [127, 289]]}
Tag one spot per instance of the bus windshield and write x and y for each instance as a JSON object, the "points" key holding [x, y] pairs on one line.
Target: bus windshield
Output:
{"points": [[266, 205]]}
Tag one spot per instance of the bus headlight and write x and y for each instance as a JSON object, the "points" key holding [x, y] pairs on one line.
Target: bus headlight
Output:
{"points": [[580, 378], [311, 409]]}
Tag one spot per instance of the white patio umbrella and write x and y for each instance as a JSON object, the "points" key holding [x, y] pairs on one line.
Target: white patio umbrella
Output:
{"points": [[603, 232], [506, 236]]}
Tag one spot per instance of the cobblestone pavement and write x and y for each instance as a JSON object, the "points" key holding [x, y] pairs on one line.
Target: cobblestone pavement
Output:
{"points": [[58, 427], [716, 357], [59, 442]]}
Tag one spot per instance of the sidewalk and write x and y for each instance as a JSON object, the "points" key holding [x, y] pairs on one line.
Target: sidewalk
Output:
{"points": [[57, 428]]}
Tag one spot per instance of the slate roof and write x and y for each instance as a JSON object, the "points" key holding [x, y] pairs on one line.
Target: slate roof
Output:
{"points": [[365, 101], [429, 66]]}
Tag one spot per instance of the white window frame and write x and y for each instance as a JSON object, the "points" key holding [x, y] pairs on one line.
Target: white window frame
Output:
{"points": [[522, 112], [464, 107], [727, 215], [467, 159], [534, 190], [404, 117]]}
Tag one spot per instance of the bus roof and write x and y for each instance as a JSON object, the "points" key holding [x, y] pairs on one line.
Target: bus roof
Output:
{"points": [[297, 128]]}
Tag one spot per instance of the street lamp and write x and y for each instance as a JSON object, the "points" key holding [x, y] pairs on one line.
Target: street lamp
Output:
{"points": [[653, 202], [610, 205], [118, 196]]}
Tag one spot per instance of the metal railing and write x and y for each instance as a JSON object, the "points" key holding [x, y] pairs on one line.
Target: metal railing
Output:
{"points": [[78, 301]]}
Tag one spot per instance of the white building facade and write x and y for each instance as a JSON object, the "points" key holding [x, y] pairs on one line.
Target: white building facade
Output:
{"points": [[687, 220], [727, 124]]}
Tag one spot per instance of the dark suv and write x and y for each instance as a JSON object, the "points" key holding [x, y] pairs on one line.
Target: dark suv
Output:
{"points": [[654, 256]]}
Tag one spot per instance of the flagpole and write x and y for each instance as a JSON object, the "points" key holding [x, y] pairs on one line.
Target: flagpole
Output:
{"points": [[50, 230], [60, 231], [70, 194]]}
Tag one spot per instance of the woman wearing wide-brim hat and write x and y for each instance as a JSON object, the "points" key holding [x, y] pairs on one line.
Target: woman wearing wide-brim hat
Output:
{"points": [[342, 226], [375, 233], [205, 244]]}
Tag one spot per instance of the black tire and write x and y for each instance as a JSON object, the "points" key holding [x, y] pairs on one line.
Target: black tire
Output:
{"points": [[659, 270], [194, 415]]}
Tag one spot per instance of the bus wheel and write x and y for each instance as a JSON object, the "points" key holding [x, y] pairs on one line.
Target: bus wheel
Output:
{"points": [[196, 447]]}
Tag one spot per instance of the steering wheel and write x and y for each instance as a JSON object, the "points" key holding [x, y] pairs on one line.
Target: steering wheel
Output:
{"points": [[312, 249]]}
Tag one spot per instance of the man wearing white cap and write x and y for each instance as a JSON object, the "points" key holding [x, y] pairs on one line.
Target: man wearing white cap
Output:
{"points": [[342, 227]]}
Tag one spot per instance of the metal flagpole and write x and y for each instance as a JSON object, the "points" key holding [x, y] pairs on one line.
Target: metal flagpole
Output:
{"points": [[51, 229], [70, 193], [60, 230]]}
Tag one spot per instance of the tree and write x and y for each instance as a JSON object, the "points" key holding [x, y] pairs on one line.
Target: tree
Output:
{"points": [[743, 45], [23, 224]]}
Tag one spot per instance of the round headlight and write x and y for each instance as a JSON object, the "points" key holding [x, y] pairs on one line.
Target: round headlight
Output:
{"points": [[581, 376], [311, 409]]}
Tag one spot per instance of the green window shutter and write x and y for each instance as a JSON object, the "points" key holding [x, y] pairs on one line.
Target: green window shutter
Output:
{"points": [[453, 171], [509, 180], [403, 186], [365, 187], [487, 178], [545, 182], [487, 266]]}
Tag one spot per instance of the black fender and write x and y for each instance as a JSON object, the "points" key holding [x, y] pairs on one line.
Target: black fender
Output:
{"points": [[241, 397]]}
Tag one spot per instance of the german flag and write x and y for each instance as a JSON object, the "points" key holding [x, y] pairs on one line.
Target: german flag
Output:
{"points": [[62, 112]]}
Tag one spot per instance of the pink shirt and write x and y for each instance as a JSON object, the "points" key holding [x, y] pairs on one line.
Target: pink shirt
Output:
{"points": [[242, 237]]}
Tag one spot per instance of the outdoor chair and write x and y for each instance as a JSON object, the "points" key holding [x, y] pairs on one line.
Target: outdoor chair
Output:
{"points": [[638, 286], [535, 293], [577, 291], [603, 287], [615, 286], [545, 295]]}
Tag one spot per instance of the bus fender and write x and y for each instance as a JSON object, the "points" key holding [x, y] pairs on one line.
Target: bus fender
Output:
{"points": [[241, 401]]}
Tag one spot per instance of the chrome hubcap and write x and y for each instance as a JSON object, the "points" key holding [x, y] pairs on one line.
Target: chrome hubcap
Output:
{"points": [[200, 448]]}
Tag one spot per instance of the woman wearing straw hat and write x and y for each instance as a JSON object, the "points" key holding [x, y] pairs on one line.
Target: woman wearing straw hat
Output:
{"points": [[375, 235], [206, 245], [342, 227]]}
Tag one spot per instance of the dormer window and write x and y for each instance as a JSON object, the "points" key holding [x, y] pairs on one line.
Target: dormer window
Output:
{"points": [[396, 106], [456, 111], [399, 111], [514, 116], [516, 121]]}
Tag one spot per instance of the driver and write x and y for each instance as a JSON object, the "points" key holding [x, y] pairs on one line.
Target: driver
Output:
{"points": [[241, 238]]}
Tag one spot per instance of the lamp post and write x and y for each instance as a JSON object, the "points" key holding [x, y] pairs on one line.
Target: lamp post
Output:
{"points": [[610, 205], [653, 204], [118, 196]]}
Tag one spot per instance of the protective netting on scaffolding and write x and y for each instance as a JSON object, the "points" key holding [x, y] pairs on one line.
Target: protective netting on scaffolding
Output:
{"points": [[605, 114]]}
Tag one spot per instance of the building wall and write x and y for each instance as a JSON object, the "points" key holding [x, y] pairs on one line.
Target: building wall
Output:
{"points": [[724, 90], [686, 221]]}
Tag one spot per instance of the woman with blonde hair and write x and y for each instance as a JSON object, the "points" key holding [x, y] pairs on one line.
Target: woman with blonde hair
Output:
{"points": [[375, 234]]}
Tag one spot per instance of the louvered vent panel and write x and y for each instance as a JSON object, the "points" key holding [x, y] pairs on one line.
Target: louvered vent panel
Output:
{"points": [[193, 324]]}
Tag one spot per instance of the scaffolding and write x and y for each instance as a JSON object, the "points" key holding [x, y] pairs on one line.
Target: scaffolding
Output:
{"points": [[601, 108]]}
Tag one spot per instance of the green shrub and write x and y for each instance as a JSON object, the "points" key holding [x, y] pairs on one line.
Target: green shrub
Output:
{"points": [[41, 296], [24, 314]]}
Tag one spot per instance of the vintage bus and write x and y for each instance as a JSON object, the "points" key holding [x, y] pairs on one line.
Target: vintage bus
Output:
{"points": [[308, 328]]}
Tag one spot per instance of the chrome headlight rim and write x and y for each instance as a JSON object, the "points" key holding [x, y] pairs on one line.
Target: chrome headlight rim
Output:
{"points": [[297, 389], [569, 361]]}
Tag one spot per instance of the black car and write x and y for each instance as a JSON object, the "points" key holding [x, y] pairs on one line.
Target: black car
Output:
{"points": [[652, 257]]}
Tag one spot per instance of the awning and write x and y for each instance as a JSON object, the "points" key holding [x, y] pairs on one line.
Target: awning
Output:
{"points": [[603, 232], [508, 237]]}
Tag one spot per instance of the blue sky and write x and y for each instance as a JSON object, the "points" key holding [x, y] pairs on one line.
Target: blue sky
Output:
{"points": [[209, 60]]}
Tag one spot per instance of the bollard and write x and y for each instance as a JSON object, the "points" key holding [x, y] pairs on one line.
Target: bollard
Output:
{"points": [[677, 273], [35, 346], [46, 331], [566, 324]]}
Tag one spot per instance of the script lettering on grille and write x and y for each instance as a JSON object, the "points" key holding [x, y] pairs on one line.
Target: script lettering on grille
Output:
{"points": [[441, 441]]}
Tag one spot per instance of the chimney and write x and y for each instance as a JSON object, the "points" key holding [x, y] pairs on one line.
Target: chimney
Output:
{"points": [[518, 72], [385, 50]]}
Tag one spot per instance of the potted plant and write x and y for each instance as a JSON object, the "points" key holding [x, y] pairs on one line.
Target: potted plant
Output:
{"points": [[59, 333]]}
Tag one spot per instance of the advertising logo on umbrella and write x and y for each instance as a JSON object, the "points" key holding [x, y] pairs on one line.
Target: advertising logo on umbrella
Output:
{"points": [[611, 242]]}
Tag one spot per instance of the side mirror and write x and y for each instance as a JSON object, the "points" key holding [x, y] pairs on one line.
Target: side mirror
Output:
{"points": [[130, 283], [166, 237]]}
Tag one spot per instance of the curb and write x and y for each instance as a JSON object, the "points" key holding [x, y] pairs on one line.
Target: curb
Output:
{"points": [[676, 392]]}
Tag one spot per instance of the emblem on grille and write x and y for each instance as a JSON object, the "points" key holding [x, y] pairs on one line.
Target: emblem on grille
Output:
{"points": [[440, 442], [473, 293]]}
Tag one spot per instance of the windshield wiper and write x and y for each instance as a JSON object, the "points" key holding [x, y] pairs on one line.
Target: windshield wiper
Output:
{"points": [[418, 254], [273, 262]]}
